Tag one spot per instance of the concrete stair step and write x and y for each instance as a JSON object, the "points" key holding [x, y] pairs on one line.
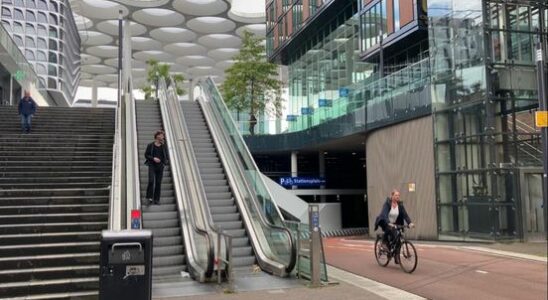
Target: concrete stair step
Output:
{"points": [[31, 274], [42, 192], [54, 218], [54, 209], [52, 227], [169, 251], [166, 271], [48, 248], [49, 237], [22, 289], [49, 260], [165, 261], [54, 200]]}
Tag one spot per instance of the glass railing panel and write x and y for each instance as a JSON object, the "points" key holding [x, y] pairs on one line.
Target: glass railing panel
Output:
{"points": [[373, 92]]}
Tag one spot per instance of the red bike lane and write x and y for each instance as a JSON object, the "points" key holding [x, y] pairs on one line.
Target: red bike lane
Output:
{"points": [[445, 272]]}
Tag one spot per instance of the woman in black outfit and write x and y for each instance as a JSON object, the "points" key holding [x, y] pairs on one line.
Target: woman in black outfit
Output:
{"points": [[156, 159]]}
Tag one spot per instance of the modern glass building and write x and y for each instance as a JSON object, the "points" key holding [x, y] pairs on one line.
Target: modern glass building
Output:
{"points": [[46, 33], [441, 94]]}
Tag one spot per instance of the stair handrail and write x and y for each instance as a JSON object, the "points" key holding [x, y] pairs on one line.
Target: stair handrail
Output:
{"points": [[133, 185], [201, 270], [221, 132], [116, 185]]}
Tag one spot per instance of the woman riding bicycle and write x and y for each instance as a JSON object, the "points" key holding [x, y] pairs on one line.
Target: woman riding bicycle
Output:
{"points": [[393, 213]]}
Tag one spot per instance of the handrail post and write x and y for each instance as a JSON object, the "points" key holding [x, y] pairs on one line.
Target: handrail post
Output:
{"points": [[218, 259]]}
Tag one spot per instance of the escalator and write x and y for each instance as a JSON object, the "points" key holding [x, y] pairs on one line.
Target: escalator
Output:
{"points": [[235, 200], [219, 196]]}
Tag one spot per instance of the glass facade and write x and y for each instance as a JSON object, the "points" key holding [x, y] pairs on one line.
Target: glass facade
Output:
{"points": [[483, 94]]}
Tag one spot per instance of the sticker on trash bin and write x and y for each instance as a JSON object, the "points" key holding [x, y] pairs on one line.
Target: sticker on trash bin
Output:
{"points": [[137, 270]]}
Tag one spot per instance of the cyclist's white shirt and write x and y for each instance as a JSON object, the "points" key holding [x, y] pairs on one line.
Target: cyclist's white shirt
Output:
{"points": [[393, 214]]}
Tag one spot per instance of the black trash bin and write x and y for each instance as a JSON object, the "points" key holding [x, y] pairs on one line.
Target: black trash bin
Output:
{"points": [[126, 265]]}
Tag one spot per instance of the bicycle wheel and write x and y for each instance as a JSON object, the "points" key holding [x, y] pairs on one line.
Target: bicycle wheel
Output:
{"points": [[381, 255], [408, 257]]}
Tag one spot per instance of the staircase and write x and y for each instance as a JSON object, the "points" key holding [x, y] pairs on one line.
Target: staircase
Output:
{"points": [[54, 194], [163, 220], [219, 196]]}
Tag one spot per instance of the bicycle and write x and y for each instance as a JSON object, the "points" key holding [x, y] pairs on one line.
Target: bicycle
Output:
{"points": [[402, 250]]}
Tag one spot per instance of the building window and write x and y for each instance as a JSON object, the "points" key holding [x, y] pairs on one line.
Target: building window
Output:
{"points": [[42, 17], [396, 16], [19, 3], [42, 4], [31, 3], [52, 32], [30, 30], [18, 28], [53, 19], [52, 70], [30, 16], [29, 55], [6, 12], [41, 56], [42, 44], [52, 44], [7, 2], [18, 40], [52, 84], [42, 30], [52, 57], [53, 7], [18, 15], [30, 42]]}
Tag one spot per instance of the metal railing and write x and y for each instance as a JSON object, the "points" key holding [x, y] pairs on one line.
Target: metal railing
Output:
{"points": [[117, 182], [302, 233], [199, 244], [133, 186], [273, 243]]}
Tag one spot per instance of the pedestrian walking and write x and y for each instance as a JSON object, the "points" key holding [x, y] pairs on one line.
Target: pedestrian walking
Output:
{"points": [[27, 109], [156, 159]]}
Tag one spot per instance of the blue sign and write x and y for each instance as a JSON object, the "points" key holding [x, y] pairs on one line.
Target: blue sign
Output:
{"points": [[343, 92], [324, 103], [135, 224], [291, 118], [307, 110], [302, 181]]}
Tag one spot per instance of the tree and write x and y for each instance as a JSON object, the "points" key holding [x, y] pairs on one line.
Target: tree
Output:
{"points": [[156, 71], [251, 83]]}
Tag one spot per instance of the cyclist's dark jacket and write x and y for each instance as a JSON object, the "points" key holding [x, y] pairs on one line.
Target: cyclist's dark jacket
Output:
{"points": [[386, 210]]}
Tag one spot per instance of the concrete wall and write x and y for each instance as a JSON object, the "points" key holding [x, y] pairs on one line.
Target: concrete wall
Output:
{"points": [[399, 155]]}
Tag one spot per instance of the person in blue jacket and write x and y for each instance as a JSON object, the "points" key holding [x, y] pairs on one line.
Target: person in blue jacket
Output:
{"points": [[27, 109], [393, 213]]}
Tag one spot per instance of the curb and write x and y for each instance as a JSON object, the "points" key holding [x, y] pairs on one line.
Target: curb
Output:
{"points": [[380, 289]]}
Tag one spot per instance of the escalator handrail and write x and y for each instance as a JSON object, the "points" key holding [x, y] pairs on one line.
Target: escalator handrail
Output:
{"points": [[191, 161], [265, 222], [182, 196]]}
